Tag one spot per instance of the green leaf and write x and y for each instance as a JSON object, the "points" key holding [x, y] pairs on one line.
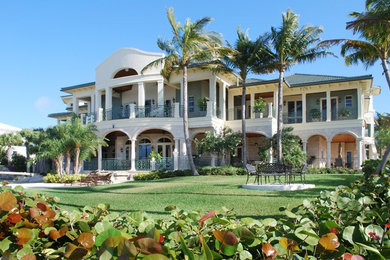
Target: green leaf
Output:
{"points": [[372, 249], [348, 234], [155, 257], [308, 235], [375, 229], [84, 227], [246, 236], [290, 214], [270, 222], [185, 249], [106, 234], [229, 250], [4, 244], [207, 251], [245, 255]]}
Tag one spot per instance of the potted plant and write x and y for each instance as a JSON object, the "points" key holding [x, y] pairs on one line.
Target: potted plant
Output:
{"points": [[259, 107], [315, 115], [202, 103], [344, 113]]}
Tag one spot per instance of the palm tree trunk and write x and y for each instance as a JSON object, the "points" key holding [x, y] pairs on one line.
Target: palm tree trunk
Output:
{"points": [[243, 101], [9, 155], [386, 156], [67, 162], [76, 159], [185, 122], [280, 118]]}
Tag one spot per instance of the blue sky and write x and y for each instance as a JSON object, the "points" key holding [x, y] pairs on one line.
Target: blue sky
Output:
{"points": [[47, 45]]}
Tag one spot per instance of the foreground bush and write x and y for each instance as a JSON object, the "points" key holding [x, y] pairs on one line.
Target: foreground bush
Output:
{"points": [[207, 170], [67, 178], [350, 222]]}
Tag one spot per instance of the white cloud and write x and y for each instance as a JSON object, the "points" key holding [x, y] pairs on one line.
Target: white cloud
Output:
{"points": [[42, 104]]}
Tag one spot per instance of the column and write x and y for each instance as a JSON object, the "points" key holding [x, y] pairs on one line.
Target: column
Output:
{"points": [[270, 156], [98, 100], [359, 103], [328, 114], [222, 100], [160, 93], [182, 97], [231, 106], [75, 101], [270, 110], [212, 94], [359, 144], [176, 155], [303, 106], [252, 105], [132, 156], [108, 111], [183, 147], [274, 112], [329, 153], [304, 144], [100, 157], [141, 94]]}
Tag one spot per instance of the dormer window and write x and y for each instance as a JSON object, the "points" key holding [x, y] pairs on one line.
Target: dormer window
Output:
{"points": [[125, 73]]}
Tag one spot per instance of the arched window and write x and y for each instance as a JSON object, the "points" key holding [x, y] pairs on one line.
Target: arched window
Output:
{"points": [[145, 141], [164, 140], [125, 73]]}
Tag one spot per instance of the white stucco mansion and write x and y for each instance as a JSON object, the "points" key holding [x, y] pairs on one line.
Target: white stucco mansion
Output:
{"points": [[138, 113]]}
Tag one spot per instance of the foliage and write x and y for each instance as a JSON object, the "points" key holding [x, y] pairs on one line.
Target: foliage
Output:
{"points": [[155, 155], [292, 152], [207, 170], [382, 131], [18, 162], [350, 221], [68, 178], [202, 103], [260, 105], [332, 171], [369, 167], [264, 145], [8, 140], [345, 112]]}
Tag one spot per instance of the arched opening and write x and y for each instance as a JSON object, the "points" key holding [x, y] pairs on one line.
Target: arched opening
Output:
{"points": [[257, 151], [154, 140], [116, 156], [126, 72], [317, 151], [344, 151]]}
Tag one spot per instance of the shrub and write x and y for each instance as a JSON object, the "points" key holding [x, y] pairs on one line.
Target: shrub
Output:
{"points": [[332, 171], [18, 163], [221, 170], [147, 176], [369, 167], [68, 178], [340, 224]]}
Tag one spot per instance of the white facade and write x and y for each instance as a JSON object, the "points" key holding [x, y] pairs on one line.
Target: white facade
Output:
{"points": [[7, 129], [140, 112]]}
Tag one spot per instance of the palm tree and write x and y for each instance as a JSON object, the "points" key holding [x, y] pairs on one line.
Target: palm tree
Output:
{"points": [[377, 13], [29, 137], [374, 47], [8, 140], [189, 45], [291, 45], [248, 57]]}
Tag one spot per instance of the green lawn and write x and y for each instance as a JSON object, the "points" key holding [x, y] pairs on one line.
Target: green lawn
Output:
{"points": [[191, 193]]}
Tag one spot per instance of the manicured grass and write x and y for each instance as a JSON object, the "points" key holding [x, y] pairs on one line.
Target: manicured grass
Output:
{"points": [[192, 193]]}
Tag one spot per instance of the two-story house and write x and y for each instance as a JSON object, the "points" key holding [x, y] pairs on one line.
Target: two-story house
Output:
{"points": [[141, 112]]}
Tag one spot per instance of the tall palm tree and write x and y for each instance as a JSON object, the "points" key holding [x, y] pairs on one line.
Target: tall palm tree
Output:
{"points": [[291, 45], [374, 47], [8, 140], [189, 45], [377, 13], [29, 137], [248, 57]]}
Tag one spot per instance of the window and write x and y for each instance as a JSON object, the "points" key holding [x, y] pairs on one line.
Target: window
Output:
{"points": [[191, 104], [348, 101]]}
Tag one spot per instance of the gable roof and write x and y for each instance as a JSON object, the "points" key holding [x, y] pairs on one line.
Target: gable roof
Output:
{"points": [[66, 89], [8, 129]]}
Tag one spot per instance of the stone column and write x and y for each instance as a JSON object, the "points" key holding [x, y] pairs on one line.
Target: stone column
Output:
{"points": [[98, 105], [222, 101], [231, 106], [270, 114], [270, 156], [212, 94], [92, 104], [132, 111], [303, 107], [132, 156], [252, 105], [100, 157], [328, 114], [176, 155], [75, 101], [304, 144], [160, 97], [177, 110], [108, 103], [359, 144], [359, 103], [183, 147], [329, 153], [141, 94]]}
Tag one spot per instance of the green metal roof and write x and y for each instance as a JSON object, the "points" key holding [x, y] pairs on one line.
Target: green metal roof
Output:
{"points": [[302, 80], [78, 86], [54, 115]]}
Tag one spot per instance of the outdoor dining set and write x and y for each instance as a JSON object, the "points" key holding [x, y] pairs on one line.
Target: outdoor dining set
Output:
{"points": [[274, 172]]}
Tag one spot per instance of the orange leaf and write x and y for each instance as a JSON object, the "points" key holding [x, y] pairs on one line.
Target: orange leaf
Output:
{"points": [[207, 216], [226, 238], [269, 250], [28, 224], [41, 220], [63, 231], [54, 234], [14, 218], [348, 256], [329, 242], [23, 235], [50, 213], [74, 252], [42, 205], [29, 257], [86, 240], [289, 244], [7, 201], [148, 246], [33, 212]]}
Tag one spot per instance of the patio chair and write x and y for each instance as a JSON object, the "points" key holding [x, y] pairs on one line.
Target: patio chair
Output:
{"points": [[300, 172], [251, 170]]}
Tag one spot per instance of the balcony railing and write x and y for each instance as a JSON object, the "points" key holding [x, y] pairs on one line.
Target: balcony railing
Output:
{"points": [[91, 165], [114, 164], [89, 118], [154, 111], [195, 111], [291, 119]]}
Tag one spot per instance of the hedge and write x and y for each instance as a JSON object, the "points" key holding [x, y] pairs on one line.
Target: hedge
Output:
{"points": [[67, 178], [348, 223]]}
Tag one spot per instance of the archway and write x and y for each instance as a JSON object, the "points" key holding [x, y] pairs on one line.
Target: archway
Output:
{"points": [[116, 156], [125, 73], [317, 151], [344, 152]]}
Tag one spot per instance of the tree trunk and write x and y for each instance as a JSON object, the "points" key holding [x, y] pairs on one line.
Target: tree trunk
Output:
{"points": [[223, 157], [9, 155], [279, 127], [67, 162], [185, 122], [243, 123], [76, 160], [386, 156]]}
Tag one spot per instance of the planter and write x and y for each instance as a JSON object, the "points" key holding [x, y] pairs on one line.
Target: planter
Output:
{"points": [[258, 115]]}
